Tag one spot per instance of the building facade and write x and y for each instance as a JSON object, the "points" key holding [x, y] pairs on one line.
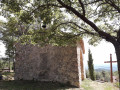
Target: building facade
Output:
{"points": [[50, 63]]}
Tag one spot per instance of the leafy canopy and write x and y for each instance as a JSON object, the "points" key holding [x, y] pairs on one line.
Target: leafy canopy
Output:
{"points": [[65, 20]]}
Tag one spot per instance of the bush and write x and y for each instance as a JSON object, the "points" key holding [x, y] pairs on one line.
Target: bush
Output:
{"points": [[102, 75], [87, 74], [107, 79], [98, 75]]}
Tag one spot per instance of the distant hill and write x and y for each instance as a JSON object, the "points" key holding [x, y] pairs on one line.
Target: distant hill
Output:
{"points": [[105, 67], [101, 69]]}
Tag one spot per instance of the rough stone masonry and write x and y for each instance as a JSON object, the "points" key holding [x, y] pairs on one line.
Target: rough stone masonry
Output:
{"points": [[50, 63]]}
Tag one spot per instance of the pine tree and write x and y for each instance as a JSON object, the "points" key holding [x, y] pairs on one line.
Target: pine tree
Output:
{"points": [[91, 66]]}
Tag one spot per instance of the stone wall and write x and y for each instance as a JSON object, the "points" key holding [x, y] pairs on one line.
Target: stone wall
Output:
{"points": [[48, 63]]}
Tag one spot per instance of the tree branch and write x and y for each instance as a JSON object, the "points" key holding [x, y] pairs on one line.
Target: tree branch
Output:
{"points": [[118, 35], [80, 28], [70, 2], [93, 2], [111, 3], [101, 33], [46, 5], [82, 5]]}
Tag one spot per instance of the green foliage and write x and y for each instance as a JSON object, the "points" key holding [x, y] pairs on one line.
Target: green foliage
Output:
{"points": [[38, 14], [115, 73], [87, 74], [4, 63], [98, 75], [44, 15], [91, 66], [103, 75], [53, 14], [26, 17], [8, 39]]}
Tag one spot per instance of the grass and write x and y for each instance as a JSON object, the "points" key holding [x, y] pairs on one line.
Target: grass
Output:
{"points": [[86, 85], [8, 84], [116, 84], [93, 85], [37, 85], [109, 88]]}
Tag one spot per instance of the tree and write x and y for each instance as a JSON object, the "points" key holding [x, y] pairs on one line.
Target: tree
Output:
{"points": [[98, 19], [8, 40], [90, 65]]}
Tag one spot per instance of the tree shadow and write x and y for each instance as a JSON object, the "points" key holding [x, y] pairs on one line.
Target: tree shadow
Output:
{"points": [[34, 85]]}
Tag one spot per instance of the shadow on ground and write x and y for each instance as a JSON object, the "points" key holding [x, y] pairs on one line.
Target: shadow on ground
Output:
{"points": [[33, 85]]}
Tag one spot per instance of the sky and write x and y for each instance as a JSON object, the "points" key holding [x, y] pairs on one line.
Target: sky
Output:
{"points": [[100, 53], [2, 49], [2, 46]]}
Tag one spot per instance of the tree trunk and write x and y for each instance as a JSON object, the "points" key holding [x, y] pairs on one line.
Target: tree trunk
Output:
{"points": [[117, 49]]}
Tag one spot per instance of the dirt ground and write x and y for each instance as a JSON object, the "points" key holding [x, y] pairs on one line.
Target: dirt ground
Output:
{"points": [[102, 86]]}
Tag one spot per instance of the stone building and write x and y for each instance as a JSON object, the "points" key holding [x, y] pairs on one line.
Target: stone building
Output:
{"points": [[50, 63]]}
